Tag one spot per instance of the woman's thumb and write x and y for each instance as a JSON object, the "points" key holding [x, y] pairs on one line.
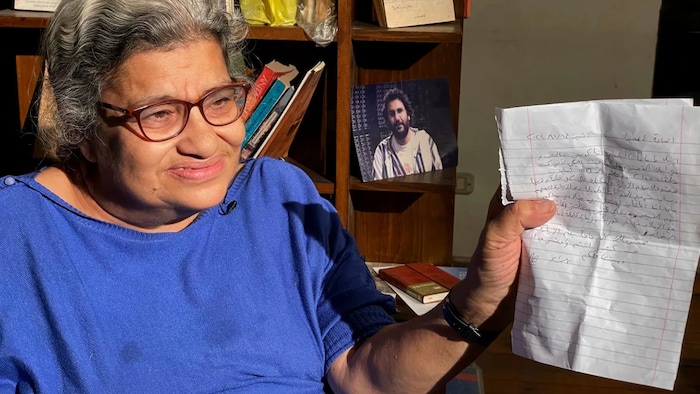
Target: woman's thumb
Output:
{"points": [[522, 215]]}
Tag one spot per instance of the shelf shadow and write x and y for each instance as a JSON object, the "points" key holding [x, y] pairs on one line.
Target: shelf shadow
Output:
{"points": [[394, 202], [395, 55]]}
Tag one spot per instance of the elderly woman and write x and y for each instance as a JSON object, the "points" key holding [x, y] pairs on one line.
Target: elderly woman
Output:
{"points": [[150, 259]]}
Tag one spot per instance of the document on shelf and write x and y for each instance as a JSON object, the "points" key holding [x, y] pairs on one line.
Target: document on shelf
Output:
{"points": [[605, 286], [402, 13]]}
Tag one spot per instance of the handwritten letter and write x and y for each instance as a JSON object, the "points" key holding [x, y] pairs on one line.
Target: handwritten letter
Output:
{"points": [[606, 285], [401, 13]]}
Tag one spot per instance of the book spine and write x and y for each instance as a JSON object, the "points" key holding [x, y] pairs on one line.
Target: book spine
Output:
{"points": [[267, 136], [260, 86], [281, 138], [263, 109], [418, 292], [253, 144]]}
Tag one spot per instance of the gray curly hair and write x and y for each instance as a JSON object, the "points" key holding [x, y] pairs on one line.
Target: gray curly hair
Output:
{"points": [[87, 40]]}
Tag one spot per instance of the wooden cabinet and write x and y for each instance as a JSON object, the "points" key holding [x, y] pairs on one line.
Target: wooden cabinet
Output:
{"points": [[403, 219]]}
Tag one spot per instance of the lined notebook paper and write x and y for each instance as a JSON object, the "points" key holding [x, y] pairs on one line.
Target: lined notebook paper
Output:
{"points": [[606, 285]]}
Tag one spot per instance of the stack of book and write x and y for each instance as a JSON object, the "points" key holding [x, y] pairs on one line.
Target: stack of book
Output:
{"points": [[424, 282], [274, 109]]}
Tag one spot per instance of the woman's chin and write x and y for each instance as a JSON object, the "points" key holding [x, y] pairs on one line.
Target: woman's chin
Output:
{"points": [[202, 200]]}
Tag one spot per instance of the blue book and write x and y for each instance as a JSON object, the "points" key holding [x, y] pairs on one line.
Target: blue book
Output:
{"points": [[250, 149], [264, 108]]}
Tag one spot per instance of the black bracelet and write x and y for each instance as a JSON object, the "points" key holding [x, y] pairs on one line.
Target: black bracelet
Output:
{"points": [[468, 331]]}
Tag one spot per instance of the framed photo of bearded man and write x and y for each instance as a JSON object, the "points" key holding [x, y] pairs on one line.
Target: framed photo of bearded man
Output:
{"points": [[402, 128]]}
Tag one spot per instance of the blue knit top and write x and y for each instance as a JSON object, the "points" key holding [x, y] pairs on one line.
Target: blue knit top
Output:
{"points": [[258, 298]]}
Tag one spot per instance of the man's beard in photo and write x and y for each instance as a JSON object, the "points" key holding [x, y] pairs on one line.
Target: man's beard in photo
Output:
{"points": [[400, 134]]}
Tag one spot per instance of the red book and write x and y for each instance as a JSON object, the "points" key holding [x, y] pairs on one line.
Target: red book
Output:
{"points": [[414, 283], [269, 74], [436, 274]]}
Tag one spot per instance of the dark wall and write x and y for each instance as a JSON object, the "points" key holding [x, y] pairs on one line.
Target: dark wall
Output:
{"points": [[16, 145], [677, 64]]}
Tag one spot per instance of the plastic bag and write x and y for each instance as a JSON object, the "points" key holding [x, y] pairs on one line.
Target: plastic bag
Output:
{"points": [[319, 20], [269, 12]]}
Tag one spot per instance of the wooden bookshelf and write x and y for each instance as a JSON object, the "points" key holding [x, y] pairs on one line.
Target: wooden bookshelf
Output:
{"points": [[403, 219], [278, 33], [438, 33], [24, 19], [434, 181]]}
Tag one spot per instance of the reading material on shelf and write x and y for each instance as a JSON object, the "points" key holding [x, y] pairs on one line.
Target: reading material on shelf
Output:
{"points": [[261, 133], [416, 306], [264, 108], [276, 144], [606, 284], [271, 71], [403, 13], [402, 128], [36, 5], [414, 283]]}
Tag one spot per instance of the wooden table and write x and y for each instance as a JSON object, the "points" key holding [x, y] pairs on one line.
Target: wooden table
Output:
{"points": [[506, 373]]}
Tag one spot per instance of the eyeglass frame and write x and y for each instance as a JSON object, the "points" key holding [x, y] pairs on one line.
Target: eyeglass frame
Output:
{"points": [[135, 112]]}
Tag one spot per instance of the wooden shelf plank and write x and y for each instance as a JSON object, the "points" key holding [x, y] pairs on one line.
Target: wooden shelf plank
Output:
{"points": [[433, 181], [281, 33], [323, 185], [25, 19], [437, 33]]}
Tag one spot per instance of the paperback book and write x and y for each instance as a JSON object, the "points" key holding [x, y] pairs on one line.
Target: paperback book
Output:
{"points": [[278, 141], [264, 108], [252, 145], [271, 72]]}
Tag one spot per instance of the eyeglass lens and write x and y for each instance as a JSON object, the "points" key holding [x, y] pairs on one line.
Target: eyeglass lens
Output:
{"points": [[165, 120]]}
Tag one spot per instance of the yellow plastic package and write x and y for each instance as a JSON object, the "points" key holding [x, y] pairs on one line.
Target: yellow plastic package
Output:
{"points": [[269, 12]]}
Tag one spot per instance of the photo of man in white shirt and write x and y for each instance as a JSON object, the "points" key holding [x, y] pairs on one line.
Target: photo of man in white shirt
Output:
{"points": [[408, 150]]}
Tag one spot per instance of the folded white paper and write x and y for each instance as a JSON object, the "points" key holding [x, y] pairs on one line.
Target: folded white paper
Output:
{"points": [[605, 286]]}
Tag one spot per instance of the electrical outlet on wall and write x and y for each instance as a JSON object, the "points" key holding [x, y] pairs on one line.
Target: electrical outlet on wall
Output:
{"points": [[465, 183]]}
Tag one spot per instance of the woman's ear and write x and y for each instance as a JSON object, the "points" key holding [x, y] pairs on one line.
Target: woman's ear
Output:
{"points": [[88, 151]]}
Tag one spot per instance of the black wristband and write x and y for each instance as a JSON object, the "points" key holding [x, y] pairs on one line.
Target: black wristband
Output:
{"points": [[468, 331]]}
